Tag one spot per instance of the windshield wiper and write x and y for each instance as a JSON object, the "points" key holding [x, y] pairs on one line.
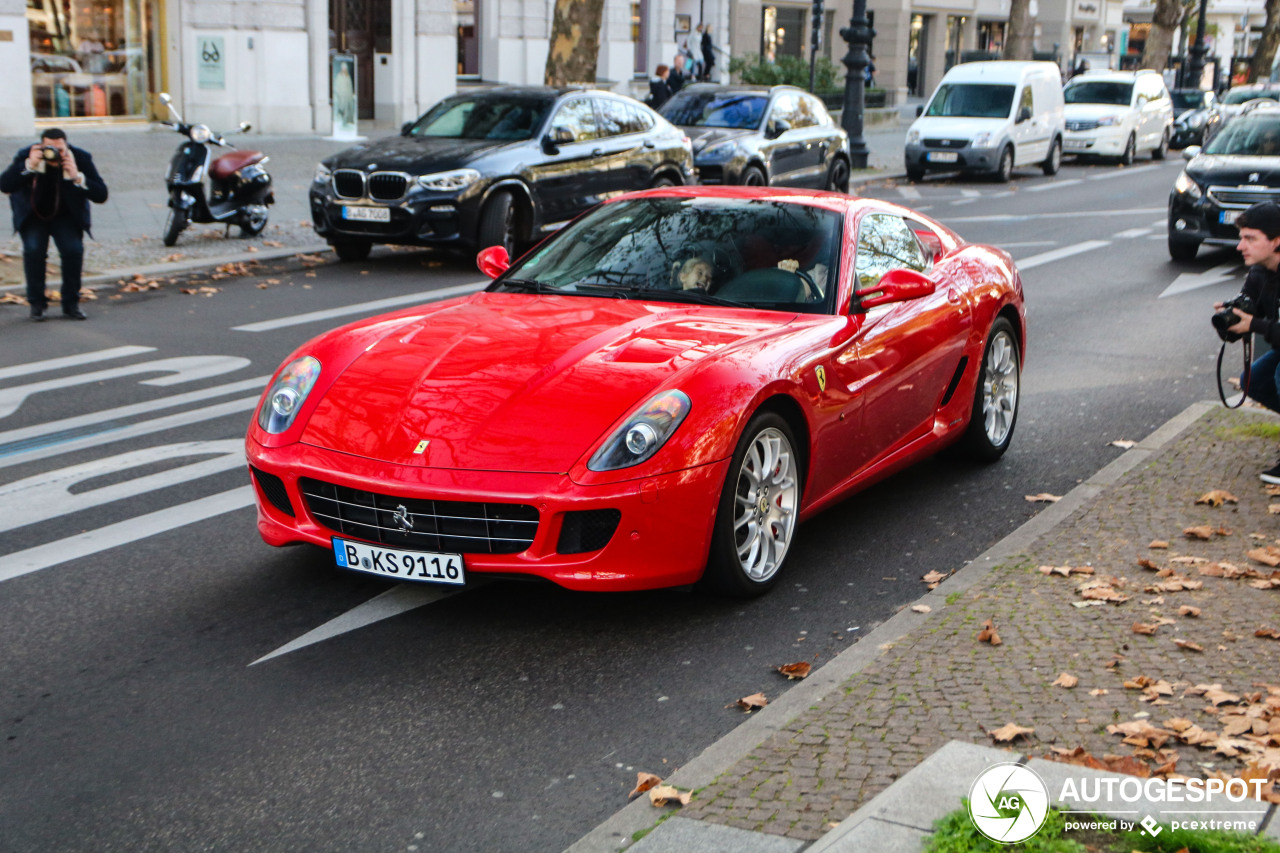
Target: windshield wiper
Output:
{"points": [[527, 285], [696, 297]]}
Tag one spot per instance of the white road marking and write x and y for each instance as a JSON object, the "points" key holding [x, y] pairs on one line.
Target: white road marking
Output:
{"points": [[1131, 170], [49, 495], [231, 407], [71, 361], [961, 201], [393, 602], [909, 192], [122, 533], [361, 308], [1055, 185], [1188, 281], [971, 193], [50, 430], [1027, 217], [1134, 232], [1058, 254], [184, 369], [1027, 243], [1160, 223]]}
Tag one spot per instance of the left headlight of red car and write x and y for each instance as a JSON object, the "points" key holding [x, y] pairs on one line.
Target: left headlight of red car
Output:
{"points": [[643, 434], [287, 394]]}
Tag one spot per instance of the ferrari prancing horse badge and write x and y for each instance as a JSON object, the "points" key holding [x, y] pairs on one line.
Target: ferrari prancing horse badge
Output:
{"points": [[822, 377]]}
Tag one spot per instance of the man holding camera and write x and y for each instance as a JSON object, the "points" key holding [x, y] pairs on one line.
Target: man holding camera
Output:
{"points": [[50, 186], [1260, 246]]}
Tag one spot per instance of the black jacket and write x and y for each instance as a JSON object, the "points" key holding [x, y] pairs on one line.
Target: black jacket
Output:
{"points": [[1263, 287], [659, 93], [75, 200]]}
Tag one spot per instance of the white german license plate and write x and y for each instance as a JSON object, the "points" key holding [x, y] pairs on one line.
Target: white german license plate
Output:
{"points": [[1075, 143], [367, 214], [944, 157], [1228, 217], [422, 566]]}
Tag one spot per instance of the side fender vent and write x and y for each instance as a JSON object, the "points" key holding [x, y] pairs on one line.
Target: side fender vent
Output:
{"points": [[955, 381]]}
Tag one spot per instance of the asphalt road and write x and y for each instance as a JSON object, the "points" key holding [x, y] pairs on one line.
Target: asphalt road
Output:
{"points": [[137, 603]]}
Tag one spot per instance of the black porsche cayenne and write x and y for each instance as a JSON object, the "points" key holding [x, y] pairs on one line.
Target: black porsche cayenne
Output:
{"points": [[497, 167]]}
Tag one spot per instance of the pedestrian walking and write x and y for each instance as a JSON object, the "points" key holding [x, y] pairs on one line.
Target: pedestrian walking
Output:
{"points": [[677, 78], [708, 52], [1259, 245], [659, 89], [50, 186]]}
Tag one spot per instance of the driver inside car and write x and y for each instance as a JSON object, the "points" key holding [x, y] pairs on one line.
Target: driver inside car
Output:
{"points": [[694, 274]]}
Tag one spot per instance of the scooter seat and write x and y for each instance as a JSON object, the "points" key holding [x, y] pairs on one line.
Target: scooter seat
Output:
{"points": [[233, 161]]}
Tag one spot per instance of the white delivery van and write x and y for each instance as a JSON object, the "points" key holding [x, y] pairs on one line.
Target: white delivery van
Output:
{"points": [[990, 117]]}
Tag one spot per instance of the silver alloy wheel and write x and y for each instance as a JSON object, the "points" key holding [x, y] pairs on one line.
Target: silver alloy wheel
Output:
{"points": [[765, 505], [1000, 388]]}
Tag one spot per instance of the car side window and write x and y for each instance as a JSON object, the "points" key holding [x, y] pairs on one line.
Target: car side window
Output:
{"points": [[1028, 101], [806, 111], [818, 110], [579, 118], [614, 118], [885, 242], [784, 109], [641, 120]]}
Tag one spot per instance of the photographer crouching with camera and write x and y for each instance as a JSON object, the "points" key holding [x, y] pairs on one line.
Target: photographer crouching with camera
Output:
{"points": [[1256, 310], [50, 186]]}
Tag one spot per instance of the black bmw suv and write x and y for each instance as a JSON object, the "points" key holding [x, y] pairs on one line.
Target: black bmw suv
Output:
{"points": [[497, 167]]}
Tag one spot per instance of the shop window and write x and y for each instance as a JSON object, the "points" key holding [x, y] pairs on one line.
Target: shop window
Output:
{"points": [[468, 40], [90, 61]]}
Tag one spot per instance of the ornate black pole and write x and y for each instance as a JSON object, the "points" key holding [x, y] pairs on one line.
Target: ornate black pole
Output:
{"points": [[1195, 65], [859, 35]]}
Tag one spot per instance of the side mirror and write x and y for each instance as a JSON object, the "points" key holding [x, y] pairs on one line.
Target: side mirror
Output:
{"points": [[404, 128], [493, 261], [919, 110], [558, 136], [900, 285], [777, 127], [1191, 151], [245, 127], [1024, 114], [164, 96]]}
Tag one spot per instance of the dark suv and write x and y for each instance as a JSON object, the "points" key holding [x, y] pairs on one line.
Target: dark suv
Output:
{"points": [[498, 167]]}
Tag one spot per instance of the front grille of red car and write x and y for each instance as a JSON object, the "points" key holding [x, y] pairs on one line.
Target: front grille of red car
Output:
{"points": [[272, 488], [463, 527]]}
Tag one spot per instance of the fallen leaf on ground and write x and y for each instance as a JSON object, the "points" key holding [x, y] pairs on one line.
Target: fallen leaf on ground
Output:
{"points": [[1043, 497], [1270, 633], [1217, 497], [1143, 628], [752, 702], [1268, 556], [1099, 691], [933, 578], [921, 608], [1188, 610], [273, 244], [988, 634], [1123, 443], [796, 670], [1190, 646], [1066, 680], [664, 794], [644, 781], [1009, 731], [1202, 532], [1189, 560], [1158, 543], [1148, 564]]}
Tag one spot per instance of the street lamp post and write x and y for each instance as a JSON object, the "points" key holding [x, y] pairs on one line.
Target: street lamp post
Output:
{"points": [[1195, 65], [859, 35]]}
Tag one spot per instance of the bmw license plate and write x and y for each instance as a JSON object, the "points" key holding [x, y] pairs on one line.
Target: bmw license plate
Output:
{"points": [[366, 214], [944, 157], [423, 566], [1228, 217]]}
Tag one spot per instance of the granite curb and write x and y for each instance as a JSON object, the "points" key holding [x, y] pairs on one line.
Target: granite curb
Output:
{"points": [[615, 833]]}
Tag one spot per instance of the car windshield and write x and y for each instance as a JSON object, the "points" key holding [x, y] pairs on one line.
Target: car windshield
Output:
{"points": [[743, 252], [1111, 92], [483, 118], [1253, 135], [971, 100], [716, 109], [1192, 100], [1235, 97]]}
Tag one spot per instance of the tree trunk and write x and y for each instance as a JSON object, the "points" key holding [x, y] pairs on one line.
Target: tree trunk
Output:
{"points": [[1260, 68], [575, 42], [1021, 32], [1164, 28]]}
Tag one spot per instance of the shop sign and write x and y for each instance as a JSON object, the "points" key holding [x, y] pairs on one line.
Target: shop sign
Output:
{"points": [[211, 62]]}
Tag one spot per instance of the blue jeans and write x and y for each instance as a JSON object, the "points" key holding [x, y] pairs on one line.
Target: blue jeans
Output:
{"points": [[69, 239], [1264, 383]]}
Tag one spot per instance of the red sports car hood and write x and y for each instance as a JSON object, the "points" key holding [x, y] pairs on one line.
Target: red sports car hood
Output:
{"points": [[514, 382]]}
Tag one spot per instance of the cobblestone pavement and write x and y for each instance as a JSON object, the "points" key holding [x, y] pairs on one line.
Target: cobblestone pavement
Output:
{"points": [[939, 683]]}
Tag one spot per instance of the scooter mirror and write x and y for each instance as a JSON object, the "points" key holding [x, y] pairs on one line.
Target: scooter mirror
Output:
{"points": [[164, 96], [245, 127]]}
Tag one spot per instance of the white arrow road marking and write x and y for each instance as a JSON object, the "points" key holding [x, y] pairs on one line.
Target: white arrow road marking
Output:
{"points": [[52, 432], [106, 436], [131, 530], [393, 602], [71, 361], [49, 495], [1196, 280], [361, 308], [1058, 254], [184, 369], [909, 192]]}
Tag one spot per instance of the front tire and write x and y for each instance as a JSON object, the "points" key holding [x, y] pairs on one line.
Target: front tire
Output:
{"points": [[352, 251], [753, 177], [915, 174], [498, 224], [1054, 161], [1130, 151], [1004, 171], [1163, 148], [838, 176], [253, 221], [1183, 250], [174, 225], [995, 400], [758, 512]]}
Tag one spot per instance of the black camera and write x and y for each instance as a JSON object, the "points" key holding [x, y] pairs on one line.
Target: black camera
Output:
{"points": [[1226, 318], [51, 153]]}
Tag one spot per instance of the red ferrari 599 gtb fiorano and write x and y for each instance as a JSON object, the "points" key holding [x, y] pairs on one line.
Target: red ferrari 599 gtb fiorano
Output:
{"points": [[655, 396]]}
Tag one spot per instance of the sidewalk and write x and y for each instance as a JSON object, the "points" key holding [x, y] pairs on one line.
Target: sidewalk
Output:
{"points": [[832, 746], [133, 161]]}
